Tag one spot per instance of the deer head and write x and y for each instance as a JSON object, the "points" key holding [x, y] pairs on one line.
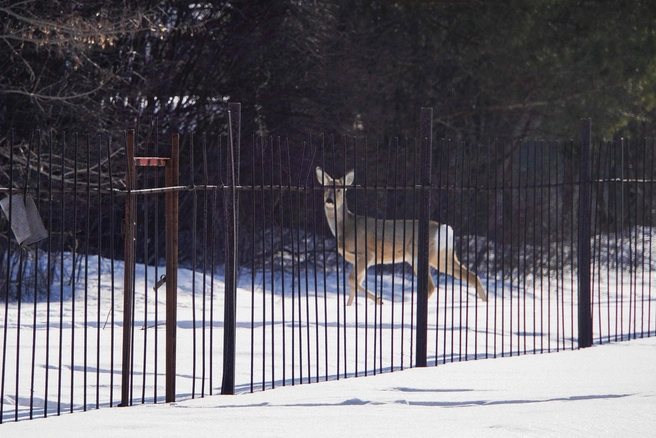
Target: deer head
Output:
{"points": [[333, 195]]}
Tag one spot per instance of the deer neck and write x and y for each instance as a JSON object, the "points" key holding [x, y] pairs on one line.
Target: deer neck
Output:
{"points": [[338, 218]]}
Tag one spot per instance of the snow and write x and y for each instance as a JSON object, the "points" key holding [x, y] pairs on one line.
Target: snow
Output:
{"points": [[604, 390]]}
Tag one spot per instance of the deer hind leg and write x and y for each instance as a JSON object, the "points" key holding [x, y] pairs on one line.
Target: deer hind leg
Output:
{"points": [[355, 279], [449, 264], [431, 284]]}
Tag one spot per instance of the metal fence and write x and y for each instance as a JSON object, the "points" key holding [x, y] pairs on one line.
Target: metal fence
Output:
{"points": [[560, 234]]}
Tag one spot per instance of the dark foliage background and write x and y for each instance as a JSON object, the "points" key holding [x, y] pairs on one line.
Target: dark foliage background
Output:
{"points": [[491, 70]]}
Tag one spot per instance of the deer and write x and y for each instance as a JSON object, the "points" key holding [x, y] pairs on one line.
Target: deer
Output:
{"points": [[365, 241]]}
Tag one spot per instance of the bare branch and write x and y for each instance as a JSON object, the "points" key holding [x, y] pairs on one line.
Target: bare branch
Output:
{"points": [[46, 97]]}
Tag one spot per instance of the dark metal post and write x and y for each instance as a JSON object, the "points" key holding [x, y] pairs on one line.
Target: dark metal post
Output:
{"points": [[172, 179], [423, 268], [128, 272], [231, 217], [584, 227], [235, 133]]}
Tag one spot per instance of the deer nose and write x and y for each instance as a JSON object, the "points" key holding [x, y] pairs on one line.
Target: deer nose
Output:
{"points": [[330, 201]]}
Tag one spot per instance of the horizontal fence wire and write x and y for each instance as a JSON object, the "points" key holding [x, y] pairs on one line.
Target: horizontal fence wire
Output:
{"points": [[511, 211]]}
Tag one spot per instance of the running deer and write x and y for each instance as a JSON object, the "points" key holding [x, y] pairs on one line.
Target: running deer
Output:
{"points": [[365, 241]]}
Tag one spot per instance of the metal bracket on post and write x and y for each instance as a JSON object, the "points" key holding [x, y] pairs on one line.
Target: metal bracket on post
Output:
{"points": [[423, 268]]}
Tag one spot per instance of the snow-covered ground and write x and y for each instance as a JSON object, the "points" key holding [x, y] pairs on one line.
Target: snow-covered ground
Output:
{"points": [[308, 335], [605, 390]]}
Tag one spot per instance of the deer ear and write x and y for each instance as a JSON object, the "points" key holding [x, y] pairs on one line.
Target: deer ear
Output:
{"points": [[349, 178], [323, 178]]}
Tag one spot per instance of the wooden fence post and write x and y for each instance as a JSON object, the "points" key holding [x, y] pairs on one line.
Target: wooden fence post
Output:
{"points": [[172, 179], [128, 271]]}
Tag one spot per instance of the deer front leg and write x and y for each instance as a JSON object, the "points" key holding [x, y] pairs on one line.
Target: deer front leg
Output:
{"points": [[352, 286], [370, 295], [356, 277]]}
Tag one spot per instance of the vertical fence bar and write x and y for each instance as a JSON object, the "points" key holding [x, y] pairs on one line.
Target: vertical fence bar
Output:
{"points": [[19, 300], [413, 290], [171, 225], [355, 265], [7, 280], [423, 270], [272, 236], [73, 279], [48, 279], [263, 225], [278, 231], [194, 258], [231, 216], [288, 188], [215, 225], [157, 277], [584, 307], [596, 272], [649, 193], [99, 268], [253, 268], [325, 267], [87, 234], [128, 272], [144, 232], [37, 145]]}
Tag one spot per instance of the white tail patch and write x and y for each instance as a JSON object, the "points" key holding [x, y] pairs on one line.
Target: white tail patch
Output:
{"points": [[444, 238]]}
